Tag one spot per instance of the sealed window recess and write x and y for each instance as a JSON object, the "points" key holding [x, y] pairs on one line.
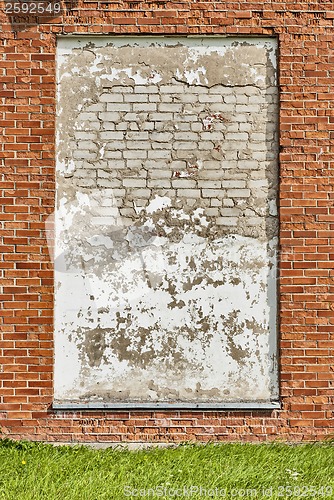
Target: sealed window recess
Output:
{"points": [[166, 226]]}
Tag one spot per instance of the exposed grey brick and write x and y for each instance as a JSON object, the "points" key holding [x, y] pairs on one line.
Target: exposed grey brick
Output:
{"points": [[133, 126], [189, 193], [258, 137], [136, 98], [212, 193], [135, 154], [185, 145], [255, 221], [227, 221], [206, 145], [108, 126], [134, 182], [211, 184], [138, 145], [161, 136], [135, 163], [95, 107], [210, 98], [197, 127], [186, 136], [185, 117], [159, 183], [227, 202], [84, 155], [247, 108], [121, 126], [212, 165], [182, 126], [147, 126], [86, 183], [160, 117], [172, 107], [159, 153], [144, 107], [153, 135], [228, 99], [138, 193], [160, 174], [85, 135], [230, 212], [109, 116], [214, 202], [238, 193], [137, 136], [210, 174], [187, 98], [118, 193], [118, 164], [242, 99], [111, 97], [178, 165], [172, 89], [146, 89], [111, 135], [131, 117], [116, 144], [158, 163], [86, 145], [161, 145], [212, 212], [154, 98], [248, 164], [87, 117], [124, 107], [236, 136], [260, 183], [233, 184], [184, 183], [122, 89]]}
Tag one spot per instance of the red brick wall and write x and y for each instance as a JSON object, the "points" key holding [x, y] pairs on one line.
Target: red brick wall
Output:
{"points": [[27, 115]]}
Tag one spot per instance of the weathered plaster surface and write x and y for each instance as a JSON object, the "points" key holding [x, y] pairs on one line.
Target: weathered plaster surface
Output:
{"points": [[166, 222]]}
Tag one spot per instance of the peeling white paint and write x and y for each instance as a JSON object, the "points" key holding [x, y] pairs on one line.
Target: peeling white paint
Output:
{"points": [[158, 203]]}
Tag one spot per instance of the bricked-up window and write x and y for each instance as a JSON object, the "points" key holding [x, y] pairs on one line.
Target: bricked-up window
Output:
{"points": [[166, 222]]}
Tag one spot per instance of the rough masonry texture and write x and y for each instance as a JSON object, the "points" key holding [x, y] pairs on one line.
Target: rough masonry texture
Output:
{"points": [[31, 111], [166, 221]]}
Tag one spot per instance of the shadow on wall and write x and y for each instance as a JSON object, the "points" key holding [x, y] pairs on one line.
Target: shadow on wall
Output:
{"points": [[272, 230]]}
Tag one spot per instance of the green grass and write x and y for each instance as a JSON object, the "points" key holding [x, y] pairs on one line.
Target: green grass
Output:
{"points": [[34, 471]]}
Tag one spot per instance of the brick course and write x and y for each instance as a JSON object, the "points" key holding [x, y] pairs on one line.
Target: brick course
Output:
{"points": [[27, 118]]}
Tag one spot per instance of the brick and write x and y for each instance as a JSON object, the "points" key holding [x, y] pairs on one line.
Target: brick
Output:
{"points": [[159, 183], [136, 98], [212, 193], [189, 193], [306, 195], [160, 174], [158, 117], [112, 97], [184, 183], [227, 221], [144, 107], [233, 184], [123, 107], [134, 183], [211, 184]]}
